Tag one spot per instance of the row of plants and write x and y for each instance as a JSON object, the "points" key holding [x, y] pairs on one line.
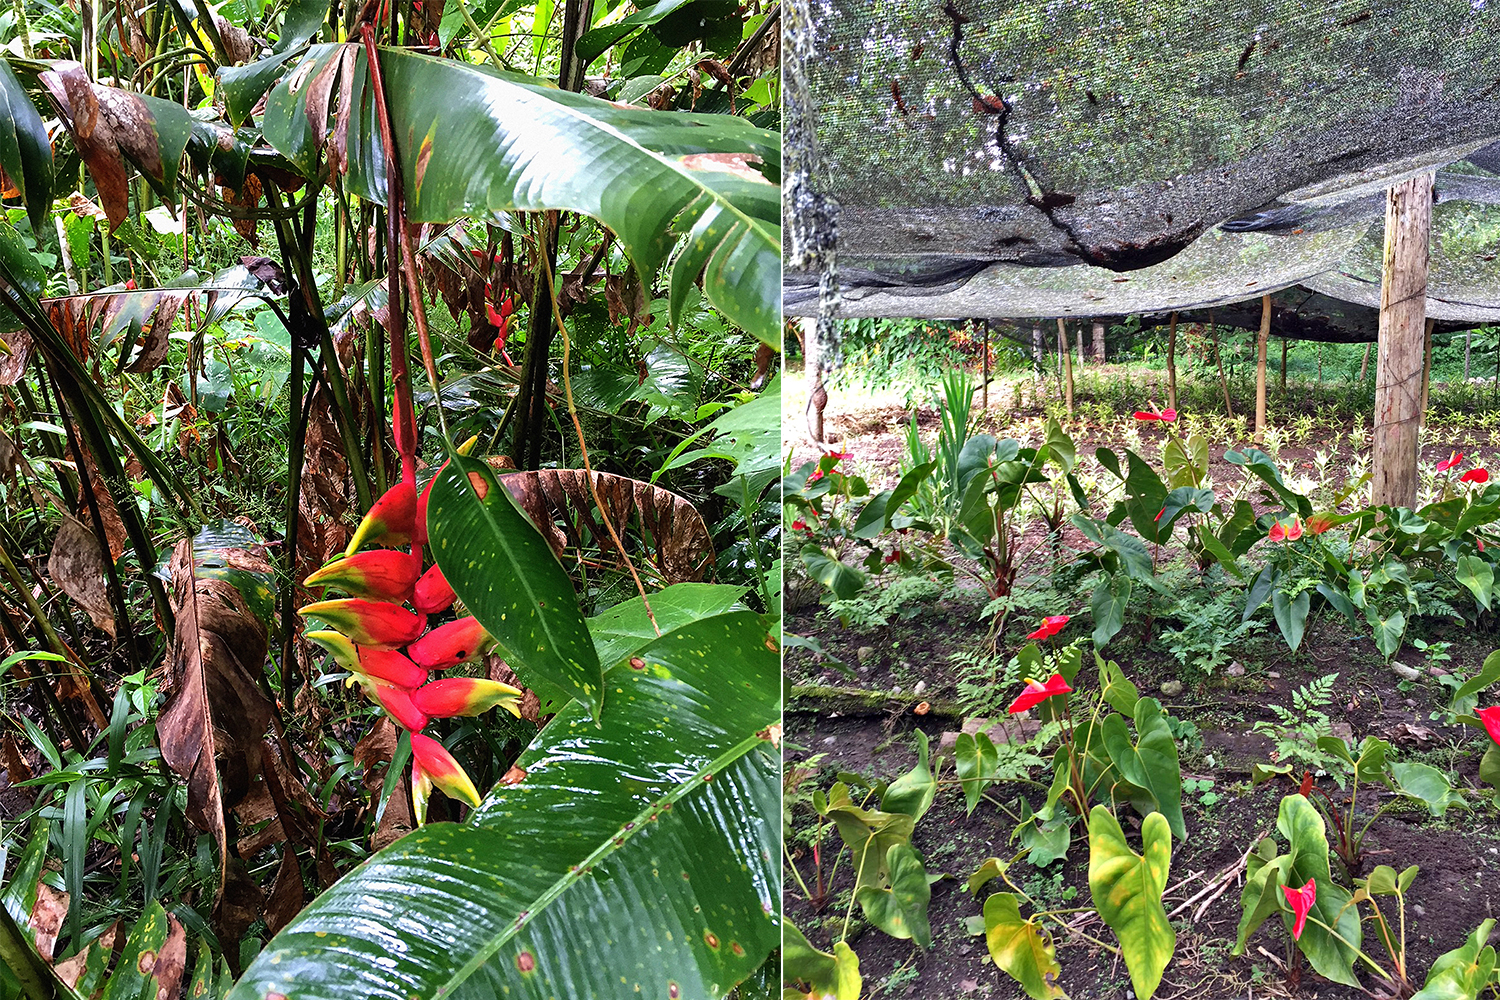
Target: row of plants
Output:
{"points": [[1097, 753]]}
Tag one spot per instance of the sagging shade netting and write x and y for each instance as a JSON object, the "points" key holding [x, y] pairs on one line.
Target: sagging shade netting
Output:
{"points": [[1018, 158]]}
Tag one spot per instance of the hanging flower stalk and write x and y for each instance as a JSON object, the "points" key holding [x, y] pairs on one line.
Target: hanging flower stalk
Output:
{"points": [[388, 648]]}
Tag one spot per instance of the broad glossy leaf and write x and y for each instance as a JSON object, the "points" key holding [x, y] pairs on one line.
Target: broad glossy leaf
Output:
{"points": [[913, 792], [1462, 973], [1019, 948], [1427, 785], [1467, 696], [868, 833], [1478, 575], [1116, 688], [644, 846], [1127, 889], [25, 150], [508, 577], [244, 86], [1151, 761], [1489, 767], [623, 629], [1108, 605], [831, 977], [1291, 616], [474, 141], [1300, 823], [1261, 896], [977, 762], [900, 909], [839, 577], [301, 22]]}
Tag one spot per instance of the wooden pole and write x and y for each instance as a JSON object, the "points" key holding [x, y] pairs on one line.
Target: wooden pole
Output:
{"points": [[1099, 342], [1426, 366], [1067, 361], [1213, 335], [1284, 343], [1399, 360], [812, 366], [1172, 363], [986, 390], [1364, 366], [1080, 348], [1468, 344], [1260, 368], [1036, 348]]}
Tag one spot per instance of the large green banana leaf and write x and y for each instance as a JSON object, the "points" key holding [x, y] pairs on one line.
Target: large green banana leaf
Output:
{"points": [[636, 857], [474, 141]]}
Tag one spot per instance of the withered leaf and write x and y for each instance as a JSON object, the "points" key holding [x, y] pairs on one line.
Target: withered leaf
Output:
{"points": [[77, 566], [217, 714], [47, 915], [288, 894], [14, 356], [666, 527]]}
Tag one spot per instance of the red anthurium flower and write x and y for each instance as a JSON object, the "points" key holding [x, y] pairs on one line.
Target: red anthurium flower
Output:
{"points": [[1301, 901], [1050, 627], [1491, 719], [1036, 693], [1479, 542], [390, 520], [451, 644], [1145, 415], [1159, 514], [369, 623], [1169, 415], [432, 764], [1295, 531], [130, 284], [1475, 476], [838, 456], [432, 595], [379, 574], [799, 525], [1452, 460], [893, 556], [1278, 533], [397, 701], [1319, 523], [450, 696]]}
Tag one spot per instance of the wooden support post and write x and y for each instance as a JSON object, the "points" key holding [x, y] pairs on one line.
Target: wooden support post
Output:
{"points": [[1284, 344], [1260, 368], [1426, 367], [1213, 334], [1364, 366], [812, 368], [1099, 342], [1036, 349], [986, 390], [1399, 361], [1067, 362], [1080, 348], [1172, 363], [1468, 345]]}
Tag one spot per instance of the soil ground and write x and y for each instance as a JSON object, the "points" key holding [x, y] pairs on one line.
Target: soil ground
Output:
{"points": [[908, 662]]}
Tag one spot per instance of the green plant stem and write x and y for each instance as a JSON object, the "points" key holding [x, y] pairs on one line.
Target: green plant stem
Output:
{"points": [[1382, 973]]}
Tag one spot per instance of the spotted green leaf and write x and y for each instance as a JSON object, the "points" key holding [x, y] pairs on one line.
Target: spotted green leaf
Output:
{"points": [[1020, 948], [506, 574], [900, 908]]}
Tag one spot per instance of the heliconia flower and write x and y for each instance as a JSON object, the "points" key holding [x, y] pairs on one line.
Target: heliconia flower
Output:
{"points": [[432, 764], [1491, 719], [1050, 627], [1036, 693], [1301, 901], [369, 623], [432, 595], [451, 644], [390, 519], [397, 701], [392, 667], [1277, 533], [1452, 460], [379, 574], [1475, 476], [1295, 531], [1319, 523], [450, 696], [345, 653]]}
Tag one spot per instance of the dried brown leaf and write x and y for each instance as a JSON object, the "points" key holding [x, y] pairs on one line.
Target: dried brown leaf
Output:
{"points": [[77, 566], [288, 894], [47, 915]]}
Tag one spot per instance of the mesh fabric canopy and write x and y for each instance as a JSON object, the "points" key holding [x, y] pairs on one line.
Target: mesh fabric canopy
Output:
{"points": [[1102, 158]]}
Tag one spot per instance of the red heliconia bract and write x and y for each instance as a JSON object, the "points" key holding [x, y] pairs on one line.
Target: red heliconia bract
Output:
{"points": [[379, 575], [451, 696], [369, 623], [451, 644], [392, 667], [1036, 693], [397, 701], [1301, 901], [390, 521], [432, 595], [432, 764]]}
